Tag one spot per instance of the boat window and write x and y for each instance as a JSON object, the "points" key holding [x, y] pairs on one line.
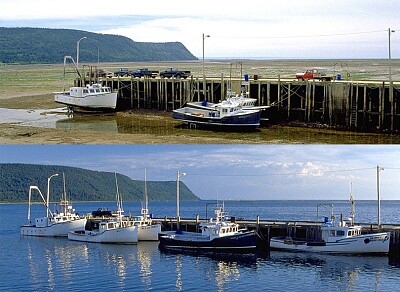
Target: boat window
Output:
{"points": [[85, 91], [340, 233], [97, 90], [91, 90], [331, 232], [111, 225], [103, 226]]}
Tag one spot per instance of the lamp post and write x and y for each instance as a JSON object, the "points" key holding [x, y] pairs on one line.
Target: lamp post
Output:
{"points": [[77, 51], [390, 31], [48, 193], [178, 175], [204, 75], [378, 169]]}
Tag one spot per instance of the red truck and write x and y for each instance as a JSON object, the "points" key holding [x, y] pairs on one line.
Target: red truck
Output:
{"points": [[314, 74]]}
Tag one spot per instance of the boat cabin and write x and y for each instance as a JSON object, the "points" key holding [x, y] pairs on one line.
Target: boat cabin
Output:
{"points": [[332, 232], [94, 89]]}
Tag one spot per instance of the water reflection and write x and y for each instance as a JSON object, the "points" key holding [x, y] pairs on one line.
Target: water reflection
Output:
{"points": [[221, 268], [346, 272]]}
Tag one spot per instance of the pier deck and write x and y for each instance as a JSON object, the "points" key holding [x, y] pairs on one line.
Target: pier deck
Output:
{"points": [[268, 228]]}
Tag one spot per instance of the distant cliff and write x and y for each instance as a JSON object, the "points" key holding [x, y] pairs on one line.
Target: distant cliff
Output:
{"points": [[82, 184], [44, 45]]}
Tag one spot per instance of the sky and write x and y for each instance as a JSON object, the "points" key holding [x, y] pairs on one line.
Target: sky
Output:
{"points": [[237, 172], [330, 29]]}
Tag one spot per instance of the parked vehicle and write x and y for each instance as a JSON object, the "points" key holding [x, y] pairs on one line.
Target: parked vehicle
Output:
{"points": [[100, 73], [122, 72], [173, 72], [314, 74], [144, 72]]}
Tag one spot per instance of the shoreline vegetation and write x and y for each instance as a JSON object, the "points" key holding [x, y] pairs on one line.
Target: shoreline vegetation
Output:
{"points": [[31, 87]]}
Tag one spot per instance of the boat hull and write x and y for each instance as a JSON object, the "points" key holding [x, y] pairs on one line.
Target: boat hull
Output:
{"points": [[125, 235], [244, 242], [59, 229], [248, 119], [149, 232], [100, 102], [377, 243]]}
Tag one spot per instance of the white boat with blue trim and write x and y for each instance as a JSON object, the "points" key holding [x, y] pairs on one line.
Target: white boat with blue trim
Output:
{"points": [[224, 114], [337, 237]]}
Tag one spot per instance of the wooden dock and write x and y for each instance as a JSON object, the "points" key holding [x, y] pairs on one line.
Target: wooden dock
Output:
{"points": [[351, 105], [301, 229]]}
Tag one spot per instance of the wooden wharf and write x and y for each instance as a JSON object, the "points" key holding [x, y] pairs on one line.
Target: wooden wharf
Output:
{"points": [[296, 229], [342, 104]]}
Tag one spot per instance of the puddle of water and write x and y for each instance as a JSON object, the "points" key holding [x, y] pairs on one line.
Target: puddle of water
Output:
{"points": [[159, 124]]}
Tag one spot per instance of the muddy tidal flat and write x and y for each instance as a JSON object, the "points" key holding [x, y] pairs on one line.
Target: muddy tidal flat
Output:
{"points": [[30, 116]]}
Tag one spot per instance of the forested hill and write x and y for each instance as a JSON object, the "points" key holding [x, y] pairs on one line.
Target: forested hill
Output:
{"points": [[82, 185], [43, 45]]}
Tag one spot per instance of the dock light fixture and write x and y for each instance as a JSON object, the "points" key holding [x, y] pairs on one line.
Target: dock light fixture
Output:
{"points": [[204, 75], [48, 193], [77, 51], [178, 175]]}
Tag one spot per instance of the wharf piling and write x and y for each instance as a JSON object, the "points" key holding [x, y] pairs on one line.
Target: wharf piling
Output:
{"points": [[343, 104], [300, 229], [354, 105]]}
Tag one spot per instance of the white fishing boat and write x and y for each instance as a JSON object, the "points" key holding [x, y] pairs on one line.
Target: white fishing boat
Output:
{"points": [[92, 97], [147, 229], [217, 235], [116, 229], [108, 230], [338, 237], [54, 224]]}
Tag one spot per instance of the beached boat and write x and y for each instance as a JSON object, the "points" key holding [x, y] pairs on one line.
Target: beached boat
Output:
{"points": [[241, 100], [111, 229], [225, 113], [217, 235], [57, 223], [338, 237], [93, 97]]}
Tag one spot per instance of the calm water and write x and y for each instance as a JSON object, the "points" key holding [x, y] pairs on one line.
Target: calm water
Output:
{"points": [[56, 264], [154, 123]]}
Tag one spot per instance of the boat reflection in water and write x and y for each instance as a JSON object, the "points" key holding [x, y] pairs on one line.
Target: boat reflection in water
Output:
{"points": [[343, 271]]}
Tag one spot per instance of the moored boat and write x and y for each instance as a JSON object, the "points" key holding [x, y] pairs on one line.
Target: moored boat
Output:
{"points": [[54, 224], [108, 229], [337, 237], [147, 229], [217, 235]]}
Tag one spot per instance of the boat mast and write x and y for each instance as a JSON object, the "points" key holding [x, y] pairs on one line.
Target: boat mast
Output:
{"points": [[146, 202], [352, 205], [65, 196], [118, 198]]}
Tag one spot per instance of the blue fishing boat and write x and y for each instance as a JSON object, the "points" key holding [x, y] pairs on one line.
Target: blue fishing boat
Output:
{"points": [[217, 235]]}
